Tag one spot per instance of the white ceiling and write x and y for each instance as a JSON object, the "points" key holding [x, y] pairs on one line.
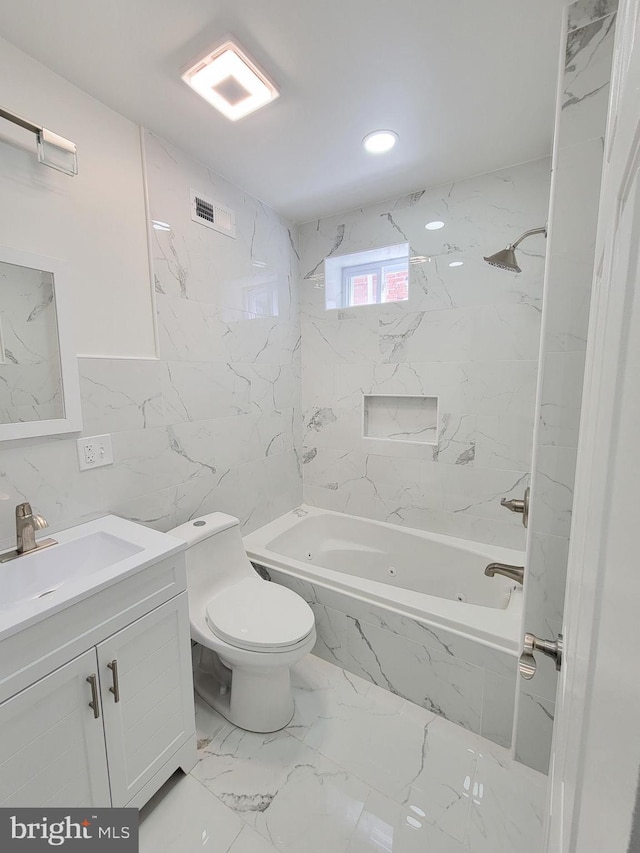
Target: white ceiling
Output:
{"points": [[468, 86]]}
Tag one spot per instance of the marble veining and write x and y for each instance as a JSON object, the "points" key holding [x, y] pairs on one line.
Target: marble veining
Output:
{"points": [[401, 418], [215, 422], [358, 770], [456, 439], [585, 12], [586, 81], [454, 677], [468, 335], [30, 377]]}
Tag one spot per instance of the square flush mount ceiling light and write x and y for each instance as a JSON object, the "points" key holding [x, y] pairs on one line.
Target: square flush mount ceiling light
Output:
{"points": [[230, 81]]}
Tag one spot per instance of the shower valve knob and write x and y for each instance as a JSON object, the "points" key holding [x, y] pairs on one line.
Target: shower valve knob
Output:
{"points": [[516, 505], [551, 648]]}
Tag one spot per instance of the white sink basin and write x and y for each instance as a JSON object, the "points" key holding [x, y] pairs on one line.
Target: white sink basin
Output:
{"points": [[43, 572], [84, 560]]}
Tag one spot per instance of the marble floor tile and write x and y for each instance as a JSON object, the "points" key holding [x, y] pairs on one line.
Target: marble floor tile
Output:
{"points": [[387, 827], [400, 749], [358, 770], [184, 817], [369, 735], [291, 794], [507, 806], [318, 686], [250, 842], [442, 787]]}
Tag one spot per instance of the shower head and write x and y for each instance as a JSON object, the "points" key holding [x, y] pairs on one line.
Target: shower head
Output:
{"points": [[505, 259]]}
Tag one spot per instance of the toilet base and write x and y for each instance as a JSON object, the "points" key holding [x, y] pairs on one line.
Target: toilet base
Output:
{"points": [[256, 699]]}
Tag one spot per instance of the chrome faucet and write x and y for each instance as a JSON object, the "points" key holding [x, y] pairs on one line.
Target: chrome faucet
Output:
{"points": [[26, 525], [514, 573]]}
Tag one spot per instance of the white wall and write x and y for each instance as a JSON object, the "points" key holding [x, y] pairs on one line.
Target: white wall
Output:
{"points": [[468, 335], [95, 221]]}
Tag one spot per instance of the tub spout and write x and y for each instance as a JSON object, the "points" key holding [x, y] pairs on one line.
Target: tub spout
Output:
{"points": [[514, 573]]}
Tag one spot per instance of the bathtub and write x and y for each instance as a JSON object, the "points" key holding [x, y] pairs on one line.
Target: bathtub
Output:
{"points": [[406, 609]]}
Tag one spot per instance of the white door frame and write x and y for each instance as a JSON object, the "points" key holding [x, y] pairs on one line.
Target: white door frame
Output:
{"points": [[596, 748]]}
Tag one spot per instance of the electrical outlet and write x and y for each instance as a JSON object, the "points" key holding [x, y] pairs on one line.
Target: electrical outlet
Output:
{"points": [[94, 452]]}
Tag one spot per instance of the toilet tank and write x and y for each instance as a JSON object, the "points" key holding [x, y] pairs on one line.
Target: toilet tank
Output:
{"points": [[215, 556]]}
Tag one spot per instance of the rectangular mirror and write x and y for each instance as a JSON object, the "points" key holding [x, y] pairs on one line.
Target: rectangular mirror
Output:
{"points": [[39, 389]]}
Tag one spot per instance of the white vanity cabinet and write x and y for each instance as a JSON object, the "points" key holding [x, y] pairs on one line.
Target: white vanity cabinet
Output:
{"points": [[96, 697], [147, 696], [52, 749]]}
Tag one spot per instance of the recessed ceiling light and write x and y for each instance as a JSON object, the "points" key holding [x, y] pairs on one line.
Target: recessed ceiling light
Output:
{"points": [[456, 263], [380, 141], [418, 259], [160, 226], [260, 264], [435, 225], [230, 81]]}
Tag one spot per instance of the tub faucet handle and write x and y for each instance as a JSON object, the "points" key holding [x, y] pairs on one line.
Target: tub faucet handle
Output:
{"points": [[516, 505]]}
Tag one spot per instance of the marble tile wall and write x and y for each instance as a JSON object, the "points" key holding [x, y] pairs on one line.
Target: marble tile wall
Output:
{"points": [[467, 334], [401, 418], [576, 192], [213, 424], [455, 677]]}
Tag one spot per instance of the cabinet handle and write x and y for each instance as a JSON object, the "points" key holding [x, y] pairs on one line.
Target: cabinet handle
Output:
{"points": [[93, 681], [113, 666]]}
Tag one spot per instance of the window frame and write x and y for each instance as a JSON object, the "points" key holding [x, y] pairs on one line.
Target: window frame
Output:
{"points": [[372, 267]]}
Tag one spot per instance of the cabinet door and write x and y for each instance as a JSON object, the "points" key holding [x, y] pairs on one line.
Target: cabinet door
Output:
{"points": [[147, 695], [52, 750]]}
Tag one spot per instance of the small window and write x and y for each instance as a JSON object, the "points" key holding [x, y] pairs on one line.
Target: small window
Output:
{"points": [[371, 284], [367, 278]]}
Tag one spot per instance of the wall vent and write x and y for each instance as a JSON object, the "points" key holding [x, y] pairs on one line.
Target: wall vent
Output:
{"points": [[212, 214]]}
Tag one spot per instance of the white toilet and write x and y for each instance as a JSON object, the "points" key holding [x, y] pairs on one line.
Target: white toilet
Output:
{"points": [[251, 631]]}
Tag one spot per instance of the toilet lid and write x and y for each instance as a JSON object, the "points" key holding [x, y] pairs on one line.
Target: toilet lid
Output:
{"points": [[256, 614]]}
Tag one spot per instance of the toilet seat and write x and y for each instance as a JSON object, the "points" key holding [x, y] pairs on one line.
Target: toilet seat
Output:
{"points": [[254, 614]]}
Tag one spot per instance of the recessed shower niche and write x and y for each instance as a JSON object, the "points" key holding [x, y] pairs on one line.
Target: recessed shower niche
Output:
{"points": [[407, 418]]}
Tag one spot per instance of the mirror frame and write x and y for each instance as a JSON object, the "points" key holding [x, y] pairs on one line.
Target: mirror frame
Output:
{"points": [[72, 422]]}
